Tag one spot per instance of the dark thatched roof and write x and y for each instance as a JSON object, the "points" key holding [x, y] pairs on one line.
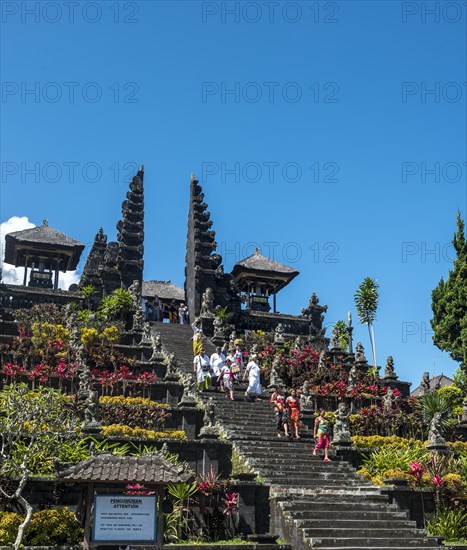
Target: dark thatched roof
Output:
{"points": [[42, 241], [165, 290], [44, 234], [259, 268], [108, 468], [258, 262]]}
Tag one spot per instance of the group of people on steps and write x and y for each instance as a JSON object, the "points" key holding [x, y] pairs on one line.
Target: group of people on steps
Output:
{"points": [[225, 366]]}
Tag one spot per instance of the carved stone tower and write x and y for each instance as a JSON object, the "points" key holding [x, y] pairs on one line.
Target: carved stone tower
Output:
{"points": [[130, 233], [203, 266]]}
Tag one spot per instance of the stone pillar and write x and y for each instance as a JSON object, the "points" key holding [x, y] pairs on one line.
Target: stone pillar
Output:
{"points": [[190, 421]]}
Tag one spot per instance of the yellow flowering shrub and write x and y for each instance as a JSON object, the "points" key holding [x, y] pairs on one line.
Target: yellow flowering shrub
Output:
{"points": [[379, 441], [47, 528], [126, 431], [453, 480], [53, 528], [110, 334], [89, 336], [460, 446], [42, 333], [9, 523], [137, 401]]}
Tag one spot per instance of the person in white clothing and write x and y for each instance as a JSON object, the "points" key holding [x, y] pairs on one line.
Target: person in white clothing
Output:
{"points": [[217, 362], [253, 372], [202, 368], [227, 378]]}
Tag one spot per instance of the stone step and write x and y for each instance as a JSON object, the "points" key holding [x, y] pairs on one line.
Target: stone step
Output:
{"points": [[392, 547], [359, 525], [309, 470], [331, 498], [366, 513], [371, 542], [311, 478], [375, 502], [322, 484]]}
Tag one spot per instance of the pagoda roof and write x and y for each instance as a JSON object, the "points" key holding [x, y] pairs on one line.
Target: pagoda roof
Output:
{"points": [[258, 262], [44, 234], [165, 290], [260, 268], [108, 468], [43, 240]]}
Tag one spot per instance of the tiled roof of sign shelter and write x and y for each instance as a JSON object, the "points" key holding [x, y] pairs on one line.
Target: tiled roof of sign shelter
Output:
{"points": [[164, 290], [108, 468], [258, 262], [439, 381]]}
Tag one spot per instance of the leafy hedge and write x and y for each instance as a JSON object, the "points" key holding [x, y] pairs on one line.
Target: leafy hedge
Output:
{"points": [[127, 431], [54, 527]]}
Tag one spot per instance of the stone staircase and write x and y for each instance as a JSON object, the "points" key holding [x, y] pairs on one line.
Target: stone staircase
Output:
{"points": [[313, 504], [176, 339]]}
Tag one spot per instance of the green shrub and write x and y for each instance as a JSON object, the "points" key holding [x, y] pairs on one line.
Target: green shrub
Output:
{"points": [[53, 528], [383, 462], [9, 523], [450, 523]]}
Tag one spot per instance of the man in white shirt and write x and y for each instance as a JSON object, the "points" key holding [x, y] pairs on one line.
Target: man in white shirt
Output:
{"points": [[202, 368], [217, 362]]}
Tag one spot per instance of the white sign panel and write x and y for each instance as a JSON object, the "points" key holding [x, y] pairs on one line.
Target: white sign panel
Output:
{"points": [[124, 518]]}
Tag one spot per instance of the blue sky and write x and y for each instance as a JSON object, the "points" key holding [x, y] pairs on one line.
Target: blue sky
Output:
{"points": [[331, 134]]}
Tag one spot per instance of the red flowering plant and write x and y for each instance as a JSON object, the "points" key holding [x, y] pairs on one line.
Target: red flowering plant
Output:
{"points": [[137, 489], [216, 507]]}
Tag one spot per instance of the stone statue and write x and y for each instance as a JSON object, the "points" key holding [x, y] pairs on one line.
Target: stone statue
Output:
{"points": [[232, 338], [75, 338], [84, 373], [279, 337], [209, 430], [352, 380], [322, 361], [342, 426], [335, 344], [156, 347], [171, 363], [388, 401], [254, 350], [189, 391], [464, 411], [218, 327], [298, 343], [360, 353], [436, 440], [135, 292], [207, 304], [425, 383], [138, 320], [274, 376], [306, 401], [389, 372], [91, 423], [209, 413], [315, 313], [147, 335]]}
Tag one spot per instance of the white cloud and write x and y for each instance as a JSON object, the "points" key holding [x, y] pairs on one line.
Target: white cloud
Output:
{"points": [[14, 275]]}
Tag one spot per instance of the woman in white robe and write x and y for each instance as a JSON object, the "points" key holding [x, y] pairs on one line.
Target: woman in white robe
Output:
{"points": [[253, 372]]}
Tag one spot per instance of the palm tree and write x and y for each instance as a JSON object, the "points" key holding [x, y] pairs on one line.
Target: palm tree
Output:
{"points": [[366, 303]]}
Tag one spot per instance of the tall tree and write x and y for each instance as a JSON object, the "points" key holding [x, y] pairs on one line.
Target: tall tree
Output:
{"points": [[366, 303], [449, 304], [32, 422]]}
